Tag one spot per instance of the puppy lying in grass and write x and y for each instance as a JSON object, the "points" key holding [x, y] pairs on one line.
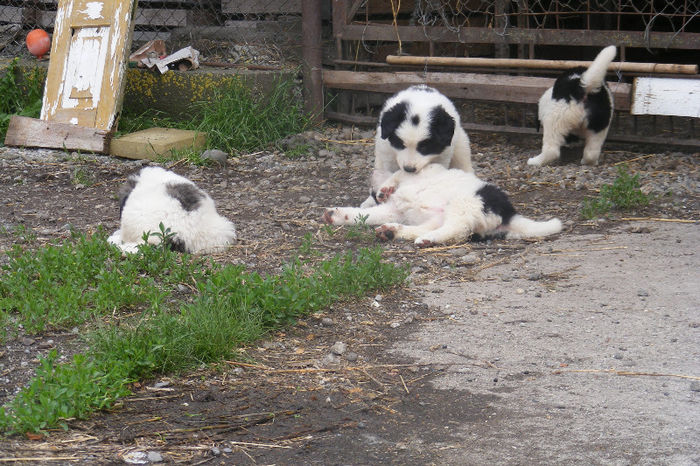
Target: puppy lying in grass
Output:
{"points": [[439, 205], [154, 196]]}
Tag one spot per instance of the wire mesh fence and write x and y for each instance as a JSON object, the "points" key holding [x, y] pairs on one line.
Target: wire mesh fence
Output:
{"points": [[266, 33]]}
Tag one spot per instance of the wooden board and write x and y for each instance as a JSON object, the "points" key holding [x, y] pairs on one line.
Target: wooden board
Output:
{"points": [[471, 86], [30, 132], [666, 96], [155, 142], [86, 75]]}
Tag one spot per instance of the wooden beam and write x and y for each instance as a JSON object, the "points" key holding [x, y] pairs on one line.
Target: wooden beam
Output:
{"points": [[484, 35], [30, 132], [666, 96], [668, 68], [470, 86]]}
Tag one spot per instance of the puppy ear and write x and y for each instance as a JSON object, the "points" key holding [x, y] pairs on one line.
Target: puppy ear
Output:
{"points": [[392, 118], [442, 125]]}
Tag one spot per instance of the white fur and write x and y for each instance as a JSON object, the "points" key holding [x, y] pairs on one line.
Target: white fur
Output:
{"points": [[387, 159], [201, 230], [435, 206], [560, 118]]}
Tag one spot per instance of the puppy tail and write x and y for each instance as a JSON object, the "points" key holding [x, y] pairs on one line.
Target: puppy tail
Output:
{"points": [[523, 227], [593, 77]]}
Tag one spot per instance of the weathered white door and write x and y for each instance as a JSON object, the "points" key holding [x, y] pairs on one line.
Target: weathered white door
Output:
{"points": [[87, 70]]}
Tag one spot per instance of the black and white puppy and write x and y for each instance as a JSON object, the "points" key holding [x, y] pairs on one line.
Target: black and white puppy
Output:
{"points": [[440, 205], [579, 105], [154, 196], [417, 126]]}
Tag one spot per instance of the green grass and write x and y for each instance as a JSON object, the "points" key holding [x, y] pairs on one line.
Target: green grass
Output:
{"points": [[19, 97], [236, 120], [623, 194], [137, 326]]}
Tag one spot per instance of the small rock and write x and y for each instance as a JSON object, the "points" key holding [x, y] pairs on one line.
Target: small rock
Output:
{"points": [[617, 356], [326, 321], [135, 457], [643, 293], [378, 297], [695, 386], [535, 276], [26, 341], [217, 156], [227, 450], [410, 318], [46, 344], [394, 325], [162, 384], [352, 357], [639, 229], [155, 457], [304, 199], [215, 451], [520, 291], [469, 259], [339, 348]]}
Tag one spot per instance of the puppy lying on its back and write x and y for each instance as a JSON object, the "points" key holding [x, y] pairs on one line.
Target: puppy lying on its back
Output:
{"points": [[417, 126], [155, 195], [440, 205], [579, 105]]}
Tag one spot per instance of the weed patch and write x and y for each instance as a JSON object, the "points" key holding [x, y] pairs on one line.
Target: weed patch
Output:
{"points": [[19, 98], [229, 307], [623, 194]]}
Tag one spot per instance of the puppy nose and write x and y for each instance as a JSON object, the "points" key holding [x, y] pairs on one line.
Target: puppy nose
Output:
{"points": [[409, 169]]}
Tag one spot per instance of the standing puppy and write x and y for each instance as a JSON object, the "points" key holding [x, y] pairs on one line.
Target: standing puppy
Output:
{"points": [[579, 105], [154, 196], [417, 126]]}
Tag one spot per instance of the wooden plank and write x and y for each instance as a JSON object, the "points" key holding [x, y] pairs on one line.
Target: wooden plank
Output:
{"points": [[152, 143], [666, 96], [476, 62], [470, 86], [160, 17], [261, 6], [86, 74], [485, 35], [30, 132]]}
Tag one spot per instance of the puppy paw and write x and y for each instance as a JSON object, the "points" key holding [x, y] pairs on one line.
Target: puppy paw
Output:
{"points": [[385, 232], [424, 243], [589, 161], [384, 193], [535, 161]]}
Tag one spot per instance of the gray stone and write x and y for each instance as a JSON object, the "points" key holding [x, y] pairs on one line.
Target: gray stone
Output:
{"points": [[215, 155], [339, 348], [155, 457]]}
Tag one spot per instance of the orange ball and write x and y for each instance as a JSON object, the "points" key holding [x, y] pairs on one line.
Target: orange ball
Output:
{"points": [[38, 42]]}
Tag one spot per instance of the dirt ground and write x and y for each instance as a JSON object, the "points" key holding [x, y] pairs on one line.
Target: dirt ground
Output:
{"points": [[578, 349]]}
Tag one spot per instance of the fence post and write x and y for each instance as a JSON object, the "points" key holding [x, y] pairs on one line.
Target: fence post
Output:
{"points": [[311, 43]]}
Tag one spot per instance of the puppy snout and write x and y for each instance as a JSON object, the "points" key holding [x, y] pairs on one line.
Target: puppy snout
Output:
{"points": [[409, 168]]}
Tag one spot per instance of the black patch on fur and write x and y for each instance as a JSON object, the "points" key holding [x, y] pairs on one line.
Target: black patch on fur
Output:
{"points": [[598, 109], [477, 238], [571, 139], [390, 121], [176, 244], [189, 196], [568, 85], [415, 119], [441, 130], [125, 190], [496, 201]]}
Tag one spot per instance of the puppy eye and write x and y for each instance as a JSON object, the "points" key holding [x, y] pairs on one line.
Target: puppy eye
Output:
{"points": [[396, 142]]}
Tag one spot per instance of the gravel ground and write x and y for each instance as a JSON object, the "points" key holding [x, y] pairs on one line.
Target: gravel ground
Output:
{"points": [[362, 402]]}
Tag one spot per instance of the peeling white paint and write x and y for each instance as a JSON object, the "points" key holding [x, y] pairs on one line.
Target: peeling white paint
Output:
{"points": [[85, 67], [93, 10]]}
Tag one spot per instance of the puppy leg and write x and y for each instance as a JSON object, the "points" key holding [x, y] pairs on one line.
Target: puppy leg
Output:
{"points": [[552, 141], [453, 230], [376, 215], [594, 145], [390, 231]]}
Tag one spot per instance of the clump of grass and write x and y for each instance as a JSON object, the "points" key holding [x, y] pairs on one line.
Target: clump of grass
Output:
{"points": [[19, 97], [231, 306], [360, 230], [236, 119], [623, 194]]}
